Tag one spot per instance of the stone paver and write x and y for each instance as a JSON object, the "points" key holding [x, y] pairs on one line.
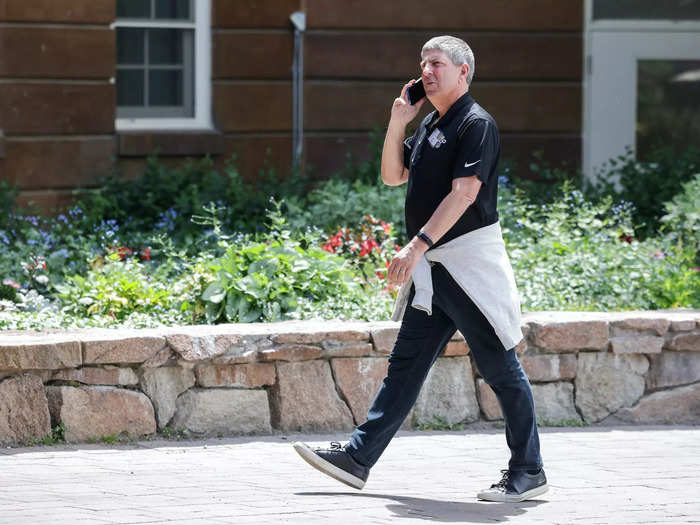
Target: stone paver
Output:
{"points": [[597, 475]]}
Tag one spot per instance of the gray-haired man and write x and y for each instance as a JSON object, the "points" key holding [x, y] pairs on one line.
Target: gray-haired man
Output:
{"points": [[454, 272]]}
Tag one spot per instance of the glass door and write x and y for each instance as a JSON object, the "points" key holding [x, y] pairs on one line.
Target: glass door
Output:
{"points": [[642, 81]]}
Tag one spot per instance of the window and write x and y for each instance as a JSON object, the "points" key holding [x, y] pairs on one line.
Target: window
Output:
{"points": [[163, 64], [668, 104], [642, 78]]}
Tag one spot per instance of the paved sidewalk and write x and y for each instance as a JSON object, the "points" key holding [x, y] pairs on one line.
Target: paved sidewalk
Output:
{"points": [[599, 474]]}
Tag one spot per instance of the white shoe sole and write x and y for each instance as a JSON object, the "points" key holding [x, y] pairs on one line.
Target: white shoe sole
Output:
{"points": [[507, 498], [326, 467]]}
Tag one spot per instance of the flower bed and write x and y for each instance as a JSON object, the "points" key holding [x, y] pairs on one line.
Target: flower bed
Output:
{"points": [[185, 262]]}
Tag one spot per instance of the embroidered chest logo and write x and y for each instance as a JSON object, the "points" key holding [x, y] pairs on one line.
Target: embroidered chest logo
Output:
{"points": [[437, 138]]}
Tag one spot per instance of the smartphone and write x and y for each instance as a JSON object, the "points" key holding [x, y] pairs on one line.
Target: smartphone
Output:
{"points": [[415, 92]]}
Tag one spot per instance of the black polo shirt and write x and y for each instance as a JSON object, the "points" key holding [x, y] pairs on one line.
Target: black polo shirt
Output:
{"points": [[464, 142]]}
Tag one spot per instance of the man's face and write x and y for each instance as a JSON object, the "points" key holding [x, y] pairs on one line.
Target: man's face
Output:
{"points": [[440, 76]]}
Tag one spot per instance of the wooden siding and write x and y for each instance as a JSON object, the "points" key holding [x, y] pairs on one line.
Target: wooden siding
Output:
{"points": [[252, 106], [257, 14], [255, 151], [65, 53], [477, 15], [58, 11], [396, 55], [528, 70], [59, 163], [57, 104], [516, 107], [358, 54], [252, 55], [56, 108]]}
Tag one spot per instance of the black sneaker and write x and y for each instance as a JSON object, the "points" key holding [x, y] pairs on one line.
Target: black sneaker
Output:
{"points": [[335, 462], [516, 486]]}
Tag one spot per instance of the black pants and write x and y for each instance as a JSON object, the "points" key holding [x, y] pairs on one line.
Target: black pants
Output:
{"points": [[419, 342]]}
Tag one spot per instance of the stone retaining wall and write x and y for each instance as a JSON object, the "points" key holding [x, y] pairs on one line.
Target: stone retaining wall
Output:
{"points": [[635, 367]]}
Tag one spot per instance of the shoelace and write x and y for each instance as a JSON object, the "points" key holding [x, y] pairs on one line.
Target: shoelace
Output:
{"points": [[504, 480]]}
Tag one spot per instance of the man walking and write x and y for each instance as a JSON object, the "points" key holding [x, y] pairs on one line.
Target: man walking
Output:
{"points": [[454, 272]]}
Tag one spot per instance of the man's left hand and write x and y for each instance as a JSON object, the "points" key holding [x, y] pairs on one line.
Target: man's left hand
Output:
{"points": [[405, 260]]}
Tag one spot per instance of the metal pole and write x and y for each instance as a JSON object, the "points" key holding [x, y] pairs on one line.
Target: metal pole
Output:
{"points": [[298, 19]]}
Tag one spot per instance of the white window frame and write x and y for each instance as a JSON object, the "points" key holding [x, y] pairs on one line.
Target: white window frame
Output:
{"points": [[202, 119], [610, 85]]}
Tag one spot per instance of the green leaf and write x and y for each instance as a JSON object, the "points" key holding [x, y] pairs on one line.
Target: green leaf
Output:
{"points": [[214, 293], [231, 306], [251, 316], [300, 264], [213, 311], [250, 286]]}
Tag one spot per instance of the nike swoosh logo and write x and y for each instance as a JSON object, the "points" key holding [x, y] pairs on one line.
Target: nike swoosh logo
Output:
{"points": [[471, 163]]}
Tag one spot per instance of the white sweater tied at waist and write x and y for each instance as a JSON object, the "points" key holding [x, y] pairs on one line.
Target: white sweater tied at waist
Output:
{"points": [[478, 262]]}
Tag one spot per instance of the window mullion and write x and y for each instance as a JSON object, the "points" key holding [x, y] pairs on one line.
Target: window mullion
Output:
{"points": [[146, 73], [188, 74]]}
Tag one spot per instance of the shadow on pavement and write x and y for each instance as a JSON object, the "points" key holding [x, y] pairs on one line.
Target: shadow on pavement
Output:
{"points": [[442, 510]]}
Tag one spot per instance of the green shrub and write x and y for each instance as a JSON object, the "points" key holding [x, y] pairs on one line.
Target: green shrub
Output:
{"points": [[7, 291], [681, 224], [542, 181], [338, 203], [264, 281], [574, 254], [648, 185], [8, 194], [115, 288], [367, 172], [167, 197]]}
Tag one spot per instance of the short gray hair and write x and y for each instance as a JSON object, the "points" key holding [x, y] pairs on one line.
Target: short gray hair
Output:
{"points": [[456, 49]]}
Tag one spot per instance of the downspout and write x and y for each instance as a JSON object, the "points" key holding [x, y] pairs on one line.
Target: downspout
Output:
{"points": [[298, 19]]}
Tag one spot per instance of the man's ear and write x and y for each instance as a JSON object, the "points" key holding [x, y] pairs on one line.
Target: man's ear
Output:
{"points": [[465, 70]]}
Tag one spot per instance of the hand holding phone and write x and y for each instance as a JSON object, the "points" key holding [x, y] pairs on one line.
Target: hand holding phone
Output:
{"points": [[415, 92], [406, 107]]}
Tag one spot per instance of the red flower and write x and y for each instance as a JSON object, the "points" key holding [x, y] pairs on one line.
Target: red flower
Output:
{"points": [[337, 239], [327, 247], [123, 252], [367, 245], [626, 238], [146, 254], [387, 227]]}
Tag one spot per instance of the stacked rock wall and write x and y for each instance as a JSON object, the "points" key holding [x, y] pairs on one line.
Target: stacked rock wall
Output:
{"points": [[634, 367]]}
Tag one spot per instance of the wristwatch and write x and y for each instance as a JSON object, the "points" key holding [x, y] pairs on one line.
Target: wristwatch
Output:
{"points": [[427, 239]]}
